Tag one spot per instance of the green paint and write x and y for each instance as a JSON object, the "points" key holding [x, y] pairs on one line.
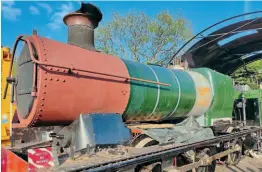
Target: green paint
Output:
{"points": [[254, 94], [142, 95], [168, 97], [153, 102], [188, 93], [237, 94], [223, 99]]}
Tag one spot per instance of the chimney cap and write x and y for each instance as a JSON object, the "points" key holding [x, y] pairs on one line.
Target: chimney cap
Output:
{"points": [[91, 11], [88, 13]]}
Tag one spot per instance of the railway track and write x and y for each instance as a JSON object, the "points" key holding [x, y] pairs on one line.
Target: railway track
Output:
{"points": [[161, 152]]}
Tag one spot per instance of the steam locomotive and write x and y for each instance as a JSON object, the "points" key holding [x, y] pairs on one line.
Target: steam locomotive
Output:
{"points": [[55, 82], [102, 97]]}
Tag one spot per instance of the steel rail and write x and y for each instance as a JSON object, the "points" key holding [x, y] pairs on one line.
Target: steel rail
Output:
{"points": [[157, 155]]}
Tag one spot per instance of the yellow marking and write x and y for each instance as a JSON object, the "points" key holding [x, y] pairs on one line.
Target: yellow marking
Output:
{"points": [[144, 126], [204, 99], [203, 90]]}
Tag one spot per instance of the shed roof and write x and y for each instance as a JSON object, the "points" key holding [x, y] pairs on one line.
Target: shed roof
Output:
{"points": [[227, 48]]}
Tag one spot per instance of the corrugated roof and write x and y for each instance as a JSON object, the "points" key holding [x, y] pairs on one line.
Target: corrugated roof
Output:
{"points": [[228, 48]]}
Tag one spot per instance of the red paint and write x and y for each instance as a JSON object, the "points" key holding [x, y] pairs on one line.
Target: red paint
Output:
{"points": [[175, 162], [3, 160], [10, 162], [39, 158], [62, 97]]}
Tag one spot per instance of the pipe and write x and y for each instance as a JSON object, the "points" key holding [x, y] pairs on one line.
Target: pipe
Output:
{"points": [[11, 64], [81, 25], [25, 39], [244, 109]]}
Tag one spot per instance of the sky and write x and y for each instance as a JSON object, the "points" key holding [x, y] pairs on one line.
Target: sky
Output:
{"points": [[18, 17]]}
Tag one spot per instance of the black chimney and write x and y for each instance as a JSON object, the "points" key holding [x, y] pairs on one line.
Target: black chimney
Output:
{"points": [[81, 25]]}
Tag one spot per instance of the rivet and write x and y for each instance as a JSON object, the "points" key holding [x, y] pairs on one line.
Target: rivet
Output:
{"points": [[45, 78], [45, 59], [51, 68], [51, 79], [57, 69], [43, 98], [63, 80], [40, 110], [42, 104], [45, 54], [39, 115], [64, 70], [44, 92], [45, 85], [57, 79]]}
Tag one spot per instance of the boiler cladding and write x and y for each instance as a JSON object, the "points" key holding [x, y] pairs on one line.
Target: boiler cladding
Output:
{"points": [[56, 82], [62, 94]]}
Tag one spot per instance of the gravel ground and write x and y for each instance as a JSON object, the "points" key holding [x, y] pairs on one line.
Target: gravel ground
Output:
{"points": [[247, 164]]}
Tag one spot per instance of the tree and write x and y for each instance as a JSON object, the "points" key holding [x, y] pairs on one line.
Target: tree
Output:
{"points": [[252, 76], [141, 38]]}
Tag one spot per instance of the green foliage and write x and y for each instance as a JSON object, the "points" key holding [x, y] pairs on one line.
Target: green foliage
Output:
{"points": [[253, 80], [141, 38]]}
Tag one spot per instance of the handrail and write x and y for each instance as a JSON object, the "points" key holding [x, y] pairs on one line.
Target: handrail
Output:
{"points": [[70, 69], [11, 64]]}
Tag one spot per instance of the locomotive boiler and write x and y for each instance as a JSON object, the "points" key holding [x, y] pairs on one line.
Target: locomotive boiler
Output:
{"points": [[56, 82], [72, 100]]}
